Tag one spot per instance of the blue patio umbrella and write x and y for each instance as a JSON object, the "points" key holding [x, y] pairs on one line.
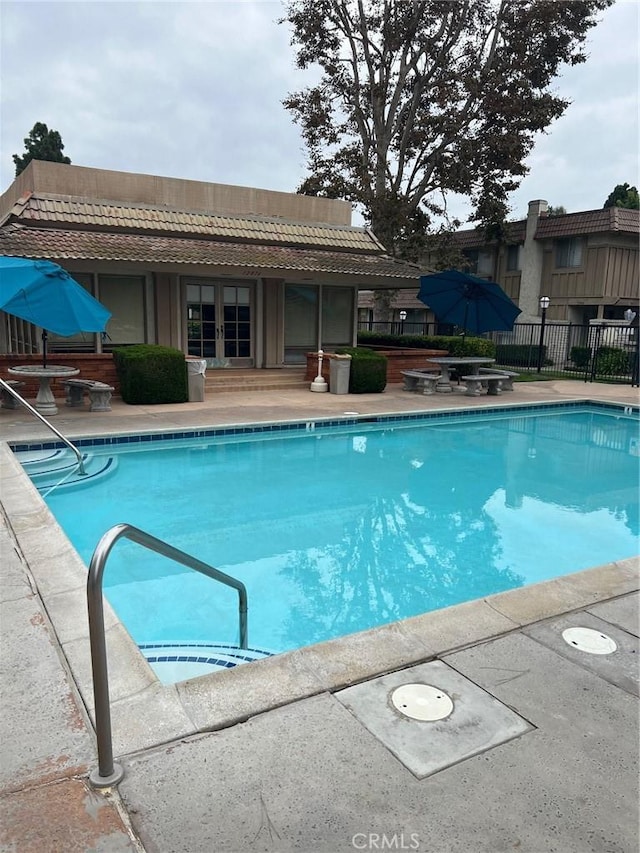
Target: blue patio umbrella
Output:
{"points": [[474, 304], [42, 293]]}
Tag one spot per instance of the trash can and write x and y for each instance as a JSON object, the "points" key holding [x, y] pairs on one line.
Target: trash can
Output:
{"points": [[339, 370], [196, 368]]}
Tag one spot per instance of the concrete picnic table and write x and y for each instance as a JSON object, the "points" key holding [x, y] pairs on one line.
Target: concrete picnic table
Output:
{"points": [[45, 401], [446, 363]]}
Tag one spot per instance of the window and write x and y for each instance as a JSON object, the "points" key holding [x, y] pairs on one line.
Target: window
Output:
{"points": [[201, 320], [569, 252], [123, 295], [337, 316], [478, 262], [300, 322], [514, 260], [83, 341], [314, 313]]}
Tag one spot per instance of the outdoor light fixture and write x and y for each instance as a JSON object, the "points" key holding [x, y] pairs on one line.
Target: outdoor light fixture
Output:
{"points": [[544, 304], [403, 317]]}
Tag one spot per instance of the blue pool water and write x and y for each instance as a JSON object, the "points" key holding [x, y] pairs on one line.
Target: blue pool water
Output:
{"points": [[336, 529]]}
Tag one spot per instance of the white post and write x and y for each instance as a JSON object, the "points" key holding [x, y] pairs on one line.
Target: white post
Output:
{"points": [[319, 383]]}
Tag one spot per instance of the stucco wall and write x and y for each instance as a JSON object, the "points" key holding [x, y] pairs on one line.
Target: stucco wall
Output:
{"points": [[81, 181]]}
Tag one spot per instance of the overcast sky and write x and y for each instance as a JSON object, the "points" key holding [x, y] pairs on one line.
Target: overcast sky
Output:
{"points": [[194, 90]]}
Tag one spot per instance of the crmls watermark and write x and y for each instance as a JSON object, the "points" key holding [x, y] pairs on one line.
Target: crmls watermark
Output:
{"points": [[384, 841]]}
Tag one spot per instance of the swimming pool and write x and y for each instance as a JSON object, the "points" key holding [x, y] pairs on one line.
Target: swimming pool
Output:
{"points": [[340, 526]]}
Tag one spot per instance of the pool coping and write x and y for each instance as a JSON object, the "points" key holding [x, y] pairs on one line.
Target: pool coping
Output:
{"points": [[147, 713]]}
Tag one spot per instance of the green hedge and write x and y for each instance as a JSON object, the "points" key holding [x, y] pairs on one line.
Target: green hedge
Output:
{"points": [[580, 356], [453, 344], [612, 361], [151, 374], [368, 374], [520, 355]]}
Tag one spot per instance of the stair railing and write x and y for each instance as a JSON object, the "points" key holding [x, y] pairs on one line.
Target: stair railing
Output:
{"points": [[6, 387], [108, 772]]}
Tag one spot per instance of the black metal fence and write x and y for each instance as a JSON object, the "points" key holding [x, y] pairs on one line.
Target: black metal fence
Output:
{"points": [[604, 351], [406, 327]]}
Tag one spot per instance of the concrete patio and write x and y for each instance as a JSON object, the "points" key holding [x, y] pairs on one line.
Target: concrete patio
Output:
{"points": [[303, 751]]}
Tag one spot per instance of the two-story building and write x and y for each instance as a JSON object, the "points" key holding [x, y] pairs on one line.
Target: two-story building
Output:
{"points": [[586, 263]]}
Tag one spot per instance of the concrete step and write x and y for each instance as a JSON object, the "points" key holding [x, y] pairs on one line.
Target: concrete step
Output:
{"points": [[253, 380]]}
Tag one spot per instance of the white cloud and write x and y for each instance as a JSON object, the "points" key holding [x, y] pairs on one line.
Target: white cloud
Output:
{"points": [[195, 90]]}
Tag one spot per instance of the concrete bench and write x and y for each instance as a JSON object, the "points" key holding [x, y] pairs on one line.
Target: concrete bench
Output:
{"points": [[476, 382], [8, 401], [508, 375], [415, 380], [99, 394]]}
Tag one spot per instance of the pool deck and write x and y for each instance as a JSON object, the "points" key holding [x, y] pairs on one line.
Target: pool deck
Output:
{"points": [[303, 751]]}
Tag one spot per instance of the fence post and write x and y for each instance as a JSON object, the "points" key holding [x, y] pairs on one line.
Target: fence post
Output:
{"points": [[594, 354]]}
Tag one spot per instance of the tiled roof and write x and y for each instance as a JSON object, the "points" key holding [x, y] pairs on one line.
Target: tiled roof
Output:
{"points": [[589, 222], [474, 238], [85, 214], [610, 219], [101, 246]]}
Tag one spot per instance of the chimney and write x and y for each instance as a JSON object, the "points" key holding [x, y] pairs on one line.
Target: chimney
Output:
{"points": [[532, 259]]}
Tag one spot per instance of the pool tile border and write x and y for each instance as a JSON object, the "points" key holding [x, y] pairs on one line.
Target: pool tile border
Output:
{"points": [[310, 425]]}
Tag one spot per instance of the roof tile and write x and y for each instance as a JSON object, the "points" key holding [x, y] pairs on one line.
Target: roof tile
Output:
{"points": [[39, 209], [98, 245], [589, 222]]}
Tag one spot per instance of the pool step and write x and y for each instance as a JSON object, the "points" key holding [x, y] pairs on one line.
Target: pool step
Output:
{"points": [[59, 468], [174, 662]]}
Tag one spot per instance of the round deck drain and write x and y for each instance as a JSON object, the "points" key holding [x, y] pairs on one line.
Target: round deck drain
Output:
{"points": [[589, 641], [422, 702]]}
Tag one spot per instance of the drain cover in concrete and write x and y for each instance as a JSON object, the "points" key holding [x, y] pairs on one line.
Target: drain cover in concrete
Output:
{"points": [[422, 702], [617, 659], [589, 641], [431, 733]]}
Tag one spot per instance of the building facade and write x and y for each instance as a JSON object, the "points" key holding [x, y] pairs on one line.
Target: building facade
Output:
{"points": [[242, 277], [585, 263]]}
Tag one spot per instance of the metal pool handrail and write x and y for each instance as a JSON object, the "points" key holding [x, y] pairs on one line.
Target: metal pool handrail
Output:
{"points": [[33, 411], [109, 773]]}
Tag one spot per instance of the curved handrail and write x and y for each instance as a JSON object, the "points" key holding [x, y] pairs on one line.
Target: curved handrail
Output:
{"points": [[108, 772], [33, 411]]}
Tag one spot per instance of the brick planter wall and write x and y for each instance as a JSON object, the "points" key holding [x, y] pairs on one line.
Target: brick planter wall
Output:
{"points": [[397, 361], [91, 365]]}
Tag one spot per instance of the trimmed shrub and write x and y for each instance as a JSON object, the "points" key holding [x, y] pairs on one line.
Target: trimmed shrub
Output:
{"points": [[368, 374], [520, 355], [453, 344], [612, 361], [149, 373], [580, 356]]}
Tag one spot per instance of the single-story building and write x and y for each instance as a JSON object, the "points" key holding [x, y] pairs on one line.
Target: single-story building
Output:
{"points": [[239, 276]]}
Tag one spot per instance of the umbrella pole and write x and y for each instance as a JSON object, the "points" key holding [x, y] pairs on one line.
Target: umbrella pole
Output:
{"points": [[44, 348], [464, 325]]}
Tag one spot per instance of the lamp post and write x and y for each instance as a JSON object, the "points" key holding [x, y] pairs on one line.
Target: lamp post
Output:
{"points": [[544, 304], [403, 317]]}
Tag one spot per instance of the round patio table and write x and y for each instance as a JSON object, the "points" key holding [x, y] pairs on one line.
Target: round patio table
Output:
{"points": [[45, 401], [443, 385]]}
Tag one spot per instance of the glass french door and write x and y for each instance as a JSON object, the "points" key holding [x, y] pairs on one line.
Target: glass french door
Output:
{"points": [[220, 322]]}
